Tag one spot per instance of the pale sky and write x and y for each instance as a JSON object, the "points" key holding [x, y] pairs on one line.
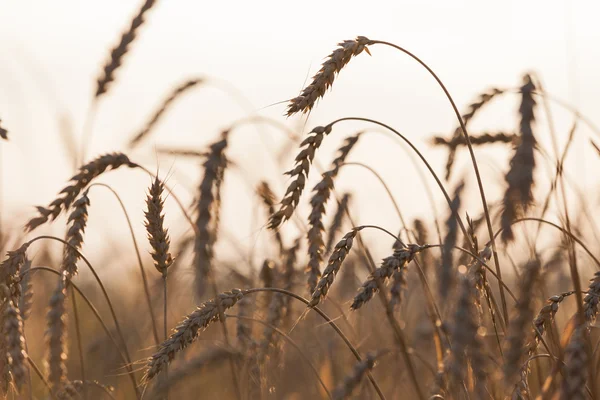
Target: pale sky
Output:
{"points": [[52, 52]]}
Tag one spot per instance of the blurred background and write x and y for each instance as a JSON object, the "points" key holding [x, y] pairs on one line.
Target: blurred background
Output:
{"points": [[256, 55]]}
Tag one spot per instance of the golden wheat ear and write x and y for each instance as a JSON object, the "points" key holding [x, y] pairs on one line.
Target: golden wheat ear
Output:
{"points": [[119, 51]]}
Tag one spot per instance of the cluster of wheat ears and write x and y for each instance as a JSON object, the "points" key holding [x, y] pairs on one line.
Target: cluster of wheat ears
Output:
{"points": [[445, 323]]}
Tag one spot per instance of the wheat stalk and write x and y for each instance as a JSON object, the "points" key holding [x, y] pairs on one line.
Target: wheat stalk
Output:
{"points": [[118, 52], [340, 252], [187, 331], [79, 182], [166, 103], [299, 174], [323, 80]]}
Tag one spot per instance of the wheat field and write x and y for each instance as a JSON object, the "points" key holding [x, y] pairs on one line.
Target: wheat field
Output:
{"points": [[492, 294]]}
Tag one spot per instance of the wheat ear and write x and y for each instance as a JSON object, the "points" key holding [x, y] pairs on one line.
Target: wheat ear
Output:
{"points": [[187, 331], [56, 337], [299, 174], [15, 343], [79, 182], [318, 202], [118, 52], [166, 103], [592, 299], [158, 235], [389, 265], [518, 195], [323, 80], [208, 212], [340, 252]]}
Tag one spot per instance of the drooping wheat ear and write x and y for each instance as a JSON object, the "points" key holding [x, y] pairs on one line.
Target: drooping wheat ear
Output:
{"points": [[518, 195], [318, 202], [158, 235], [336, 222], [519, 331], [187, 331], [117, 53], [3, 132], [208, 211], [15, 343], [466, 341], [592, 299], [483, 99], [10, 269], [389, 265], [576, 372], [166, 103], [299, 174], [79, 182], [340, 252], [323, 80], [481, 139], [56, 337], [351, 381], [447, 276], [74, 237], [268, 198], [543, 322], [26, 297]]}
